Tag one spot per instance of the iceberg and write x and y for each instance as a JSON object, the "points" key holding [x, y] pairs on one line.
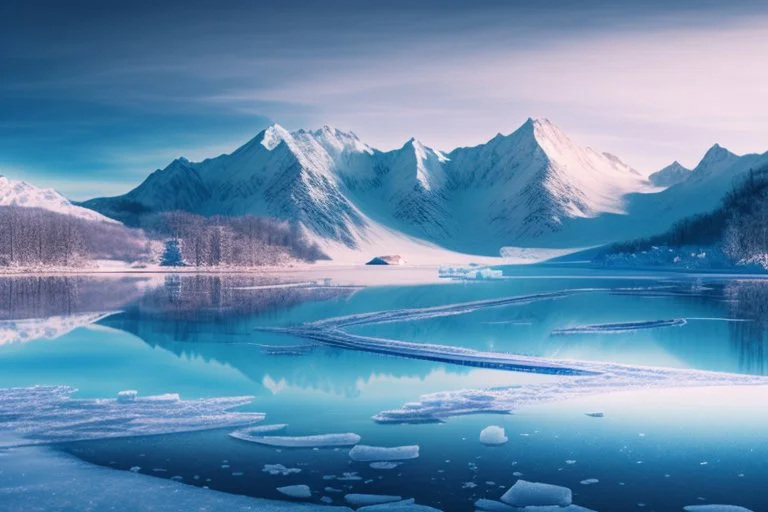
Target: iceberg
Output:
{"points": [[296, 491], [493, 435], [363, 453], [535, 494], [317, 441]]}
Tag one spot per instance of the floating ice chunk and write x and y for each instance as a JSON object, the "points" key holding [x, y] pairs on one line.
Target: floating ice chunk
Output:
{"points": [[361, 500], [296, 491], [384, 465], [408, 505], [715, 508], [318, 441], [493, 435], [570, 461], [349, 476], [327, 500], [494, 506], [524, 494], [468, 485], [128, 395], [497, 506], [246, 434], [363, 453], [279, 469], [617, 328], [595, 414], [332, 489], [590, 481], [135, 469]]}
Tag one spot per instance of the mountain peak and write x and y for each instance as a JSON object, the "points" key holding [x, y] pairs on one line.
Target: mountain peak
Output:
{"points": [[273, 136], [716, 158], [670, 175]]}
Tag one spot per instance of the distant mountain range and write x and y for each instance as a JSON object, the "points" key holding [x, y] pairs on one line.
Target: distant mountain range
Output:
{"points": [[532, 188], [20, 193]]}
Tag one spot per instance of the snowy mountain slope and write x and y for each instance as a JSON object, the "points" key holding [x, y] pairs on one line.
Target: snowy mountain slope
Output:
{"points": [[532, 188], [672, 174], [523, 186], [20, 193]]}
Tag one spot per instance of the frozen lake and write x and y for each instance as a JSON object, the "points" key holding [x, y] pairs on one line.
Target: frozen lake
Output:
{"points": [[636, 391]]}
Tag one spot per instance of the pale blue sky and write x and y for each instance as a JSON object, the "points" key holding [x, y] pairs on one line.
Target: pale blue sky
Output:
{"points": [[96, 94]]}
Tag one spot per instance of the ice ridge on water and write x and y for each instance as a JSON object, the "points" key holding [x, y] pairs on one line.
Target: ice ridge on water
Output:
{"points": [[617, 328], [317, 441], [48, 414], [603, 378]]}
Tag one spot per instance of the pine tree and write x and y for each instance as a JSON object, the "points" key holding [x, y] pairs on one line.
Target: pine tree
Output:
{"points": [[171, 255]]}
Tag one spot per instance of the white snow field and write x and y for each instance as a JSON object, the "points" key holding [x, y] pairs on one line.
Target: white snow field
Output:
{"points": [[364, 453], [316, 441], [48, 414], [36, 478], [493, 435], [20, 193]]}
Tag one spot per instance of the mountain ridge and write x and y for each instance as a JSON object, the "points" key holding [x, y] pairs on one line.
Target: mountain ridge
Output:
{"points": [[533, 186]]}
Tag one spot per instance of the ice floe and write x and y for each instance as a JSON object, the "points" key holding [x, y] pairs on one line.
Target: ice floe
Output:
{"points": [[246, 434], [590, 481], [316, 441], [384, 465], [715, 508], [48, 414], [279, 469], [361, 500], [493, 435], [618, 328], [363, 453], [408, 505], [296, 491], [536, 494]]}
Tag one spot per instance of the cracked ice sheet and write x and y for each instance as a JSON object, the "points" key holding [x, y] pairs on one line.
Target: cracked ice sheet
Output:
{"points": [[48, 414], [36, 478], [610, 378]]}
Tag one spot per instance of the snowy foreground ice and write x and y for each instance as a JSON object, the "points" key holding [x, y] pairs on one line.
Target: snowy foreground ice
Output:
{"points": [[36, 478], [48, 414]]}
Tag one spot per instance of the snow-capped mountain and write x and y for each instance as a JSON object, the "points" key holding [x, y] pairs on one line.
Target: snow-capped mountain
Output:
{"points": [[671, 175], [533, 187], [20, 193]]}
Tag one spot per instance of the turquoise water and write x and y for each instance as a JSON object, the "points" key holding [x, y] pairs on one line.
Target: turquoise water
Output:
{"points": [[655, 449]]}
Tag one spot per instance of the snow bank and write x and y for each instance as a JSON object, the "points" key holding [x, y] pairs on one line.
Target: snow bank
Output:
{"points": [[535, 494], [317, 441], [47, 414], [363, 453], [493, 435]]}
